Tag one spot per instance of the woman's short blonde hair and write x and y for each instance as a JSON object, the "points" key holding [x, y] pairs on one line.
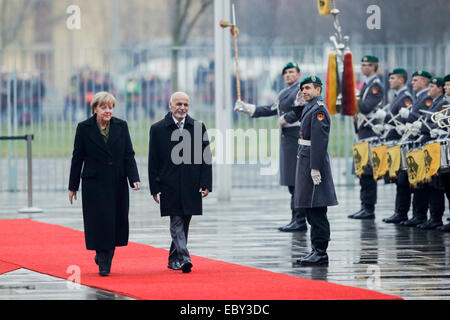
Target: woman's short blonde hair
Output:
{"points": [[102, 98]]}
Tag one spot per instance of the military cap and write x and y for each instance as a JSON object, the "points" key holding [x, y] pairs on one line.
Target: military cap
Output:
{"points": [[398, 71], [422, 73], [369, 59], [291, 65], [311, 79], [447, 78], [438, 81]]}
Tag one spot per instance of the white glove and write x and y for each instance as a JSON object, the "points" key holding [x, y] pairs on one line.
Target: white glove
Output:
{"points": [[401, 128], [378, 128], [388, 127], [404, 113], [315, 175], [414, 131], [408, 125], [380, 114], [299, 99], [434, 133], [417, 125], [439, 115], [241, 106], [281, 121]]}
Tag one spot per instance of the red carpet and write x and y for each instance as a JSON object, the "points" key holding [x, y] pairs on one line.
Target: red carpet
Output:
{"points": [[140, 271], [7, 267]]}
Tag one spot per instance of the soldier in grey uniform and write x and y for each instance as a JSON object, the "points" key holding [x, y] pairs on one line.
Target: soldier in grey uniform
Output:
{"points": [[289, 137], [388, 115], [446, 175], [435, 188], [314, 187], [371, 96]]}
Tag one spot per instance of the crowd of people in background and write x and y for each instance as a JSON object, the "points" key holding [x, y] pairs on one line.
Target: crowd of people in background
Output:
{"points": [[22, 96]]}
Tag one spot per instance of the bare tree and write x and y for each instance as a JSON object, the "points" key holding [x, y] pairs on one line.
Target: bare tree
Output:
{"points": [[186, 13]]}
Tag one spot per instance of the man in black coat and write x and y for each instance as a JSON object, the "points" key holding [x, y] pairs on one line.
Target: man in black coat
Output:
{"points": [[180, 173], [103, 157], [314, 187], [289, 137]]}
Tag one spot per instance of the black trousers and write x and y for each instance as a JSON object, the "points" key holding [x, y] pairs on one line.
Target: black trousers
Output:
{"points": [[437, 198], [368, 193], [320, 227], [421, 200], [403, 195], [293, 209], [179, 229]]}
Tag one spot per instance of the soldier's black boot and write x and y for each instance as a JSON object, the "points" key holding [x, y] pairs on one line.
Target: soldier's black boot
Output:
{"points": [[396, 218], [351, 216], [366, 214], [298, 223], [434, 222], [414, 221], [290, 223], [317, 257], [445, 228]]}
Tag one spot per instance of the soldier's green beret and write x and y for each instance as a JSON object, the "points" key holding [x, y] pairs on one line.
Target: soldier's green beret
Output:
{"points": [[438, 81], [447, 78], [311, 79], [291, 65], [422, 73], [398, 71], [369, 59]]}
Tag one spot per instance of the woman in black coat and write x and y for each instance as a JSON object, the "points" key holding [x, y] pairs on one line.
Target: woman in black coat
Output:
{"points": [[103, 157]]}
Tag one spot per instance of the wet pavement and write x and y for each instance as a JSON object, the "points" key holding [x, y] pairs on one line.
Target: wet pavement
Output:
{"points": [[407, 262]]}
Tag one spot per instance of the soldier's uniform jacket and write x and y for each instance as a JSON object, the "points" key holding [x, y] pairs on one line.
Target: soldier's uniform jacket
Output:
{"points": [[370, 97], [423, 102], [402, 99], [315, 127], [289, 134], [437, 105]]}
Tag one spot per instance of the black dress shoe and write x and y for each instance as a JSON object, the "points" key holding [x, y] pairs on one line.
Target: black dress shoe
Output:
{"points": [[430, 225], [186, 267], [445, 228], [174, 265], [413, 222], [396, 218], [364, 215], [316, 258], [351, 216], [294, 226], [299, 261]]}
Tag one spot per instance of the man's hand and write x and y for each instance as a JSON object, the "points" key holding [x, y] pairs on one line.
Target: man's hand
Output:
{"points": [[241, 106], [155, 197], [401, 128], [282, 121], [404, 113], [72, 194], [378, 128], [299, 99], [204, 192], [137, 186], [315, 175], [380, 114]]}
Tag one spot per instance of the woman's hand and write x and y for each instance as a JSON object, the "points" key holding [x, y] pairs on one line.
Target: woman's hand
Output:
{"points": [[72, 194], [204, 192], [155, 197], [137, 186]]}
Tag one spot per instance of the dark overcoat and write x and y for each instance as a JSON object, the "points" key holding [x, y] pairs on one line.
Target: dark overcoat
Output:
{"points": [[104, 169], [289, 135], [179, 164], [315, 127]]}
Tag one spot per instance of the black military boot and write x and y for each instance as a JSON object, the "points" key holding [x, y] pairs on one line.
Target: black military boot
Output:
{"points": [[317, 257], [366, 214], [445, 228], [351, 216], [298, 223], [430, 224], [290, 223], [396, 218], [414, 221]]}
